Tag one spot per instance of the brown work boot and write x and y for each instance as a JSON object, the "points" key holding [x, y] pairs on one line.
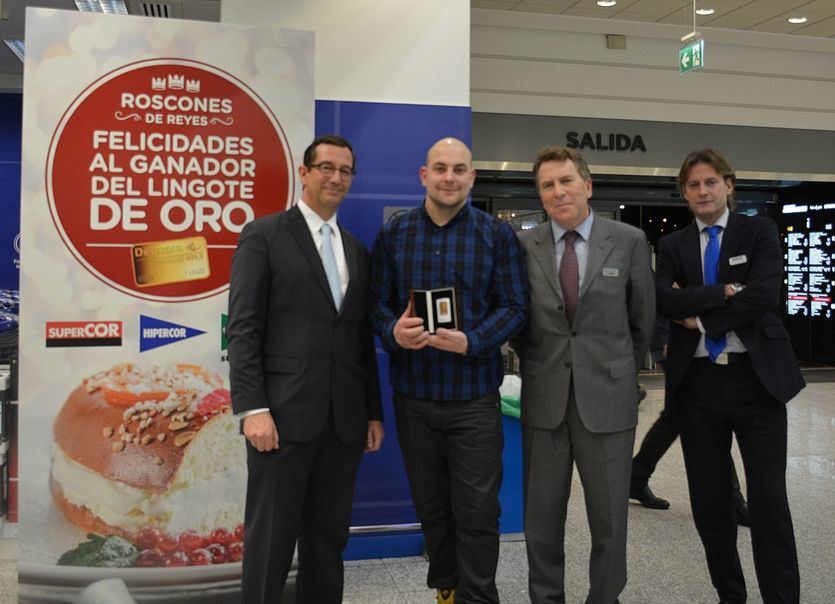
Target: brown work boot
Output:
{"points": [[446, 596]]}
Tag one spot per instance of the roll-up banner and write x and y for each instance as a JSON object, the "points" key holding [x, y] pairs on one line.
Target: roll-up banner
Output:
{"points": [[147, 145]]}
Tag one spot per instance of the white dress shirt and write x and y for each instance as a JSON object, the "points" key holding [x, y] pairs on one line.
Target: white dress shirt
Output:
{"points": [[733, 344], [314, 223]]}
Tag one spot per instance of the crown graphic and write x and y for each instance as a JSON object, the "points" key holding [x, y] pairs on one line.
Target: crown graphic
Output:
{"points": [[176, 82], [192, 85], [157, 83]]}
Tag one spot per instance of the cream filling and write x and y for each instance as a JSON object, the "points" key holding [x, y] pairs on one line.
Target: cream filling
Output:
{"points": [[208, 490]]}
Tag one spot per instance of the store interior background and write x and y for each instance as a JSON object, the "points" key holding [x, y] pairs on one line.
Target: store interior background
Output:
{"points": [[539, 70]]}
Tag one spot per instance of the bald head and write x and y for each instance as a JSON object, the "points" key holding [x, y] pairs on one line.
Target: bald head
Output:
{"points": [[449, 144], [448, 177]]}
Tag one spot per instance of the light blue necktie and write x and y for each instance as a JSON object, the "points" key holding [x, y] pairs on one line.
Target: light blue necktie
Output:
{"points": [[714, 346], [329, 262]]}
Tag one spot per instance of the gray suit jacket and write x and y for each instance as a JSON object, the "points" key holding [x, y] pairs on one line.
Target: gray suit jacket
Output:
{"points": [[603, 349]]}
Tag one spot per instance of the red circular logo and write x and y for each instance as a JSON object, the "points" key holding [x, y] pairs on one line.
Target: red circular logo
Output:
{"points": [[154, 170]]}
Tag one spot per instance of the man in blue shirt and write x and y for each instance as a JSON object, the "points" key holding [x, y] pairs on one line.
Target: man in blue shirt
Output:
{"points": [[446, 384]]}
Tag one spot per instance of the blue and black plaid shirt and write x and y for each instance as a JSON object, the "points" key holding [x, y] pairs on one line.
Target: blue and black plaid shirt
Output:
{"points": [[478, 255]]}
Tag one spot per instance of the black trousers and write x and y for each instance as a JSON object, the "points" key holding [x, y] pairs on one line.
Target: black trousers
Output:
{"points": [[658, 439], [714, 402], [453, 456], [302, 491]]}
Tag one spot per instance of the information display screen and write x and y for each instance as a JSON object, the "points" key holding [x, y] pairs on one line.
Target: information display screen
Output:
{"points": [[809, 243], [810, 259]]}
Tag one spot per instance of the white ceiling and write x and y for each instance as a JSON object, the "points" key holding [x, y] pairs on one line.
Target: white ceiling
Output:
{"points": [[13, 11], [750, 15]]}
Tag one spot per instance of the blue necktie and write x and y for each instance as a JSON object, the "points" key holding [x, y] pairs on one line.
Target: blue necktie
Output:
{"points": [[714, 346], [329, 262]]}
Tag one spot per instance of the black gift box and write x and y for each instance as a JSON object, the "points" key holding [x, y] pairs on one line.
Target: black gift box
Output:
{"points": [[437, 308]]}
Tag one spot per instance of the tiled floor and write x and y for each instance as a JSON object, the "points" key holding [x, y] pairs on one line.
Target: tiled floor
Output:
{"points": [[666, 561], [8, 564], [8, 582]]}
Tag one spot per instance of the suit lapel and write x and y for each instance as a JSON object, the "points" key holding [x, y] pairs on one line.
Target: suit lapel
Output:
{"points": [[731, 239], [544, 254], [298, 228], [691, 255], [599, 249]]}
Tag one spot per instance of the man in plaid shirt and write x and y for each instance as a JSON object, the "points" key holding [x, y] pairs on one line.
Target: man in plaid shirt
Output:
{"points": [[446, 384]]}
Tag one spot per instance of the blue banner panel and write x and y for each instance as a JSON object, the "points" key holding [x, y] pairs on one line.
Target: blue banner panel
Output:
{"points": [[11, 110], [510, 495], [390, 142]]}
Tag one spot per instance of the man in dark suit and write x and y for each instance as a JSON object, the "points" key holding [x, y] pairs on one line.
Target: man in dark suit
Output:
{"points": [[590, 320], [304, 379], [730, 369]]}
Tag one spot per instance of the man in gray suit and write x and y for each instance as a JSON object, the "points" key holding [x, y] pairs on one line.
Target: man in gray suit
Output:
{"points": [[590, 321]]}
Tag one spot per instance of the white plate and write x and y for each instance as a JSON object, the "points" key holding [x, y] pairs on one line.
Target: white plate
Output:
{"points": [[81, 576]]}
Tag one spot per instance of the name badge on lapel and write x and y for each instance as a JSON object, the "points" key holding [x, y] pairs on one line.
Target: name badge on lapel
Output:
{"points": [[742, 259], [610, 272]]}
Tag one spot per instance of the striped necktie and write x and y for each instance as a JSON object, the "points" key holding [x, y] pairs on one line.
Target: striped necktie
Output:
{"points": [[570, 275]]}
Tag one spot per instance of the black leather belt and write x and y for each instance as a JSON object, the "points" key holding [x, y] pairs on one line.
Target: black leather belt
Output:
{"points": [[728, 358]]}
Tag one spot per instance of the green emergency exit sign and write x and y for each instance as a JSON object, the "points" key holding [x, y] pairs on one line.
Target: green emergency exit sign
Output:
{"points": [[691, 56]]}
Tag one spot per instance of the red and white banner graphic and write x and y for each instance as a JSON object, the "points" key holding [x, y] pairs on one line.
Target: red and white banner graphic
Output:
{"points": [[165, 151]]}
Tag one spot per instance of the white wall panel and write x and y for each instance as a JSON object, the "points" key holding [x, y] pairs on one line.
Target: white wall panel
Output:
{"points": [[397, 51]]}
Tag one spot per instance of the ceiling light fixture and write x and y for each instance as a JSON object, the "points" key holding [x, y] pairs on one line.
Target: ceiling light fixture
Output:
{"points": [[797, 20], [16, 47], [110, 7], [606, 3], [705, 11]]}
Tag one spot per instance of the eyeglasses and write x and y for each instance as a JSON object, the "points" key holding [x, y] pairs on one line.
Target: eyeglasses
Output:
{"points": [[328, 170]]}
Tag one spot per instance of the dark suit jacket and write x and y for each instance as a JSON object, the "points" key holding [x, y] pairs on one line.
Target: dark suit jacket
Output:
{"points": [[753, 244], [289, 348]]}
